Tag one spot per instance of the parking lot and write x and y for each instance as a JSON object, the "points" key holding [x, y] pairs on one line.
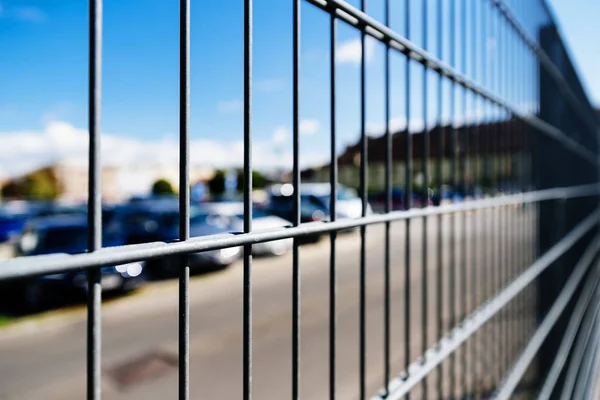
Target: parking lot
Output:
{"points": [[140, 331]]}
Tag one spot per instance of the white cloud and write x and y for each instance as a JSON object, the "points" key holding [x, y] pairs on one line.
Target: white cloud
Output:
{"points": [[349, 52], [227, 106], [309, 126], [24, 151], [282, 133]]}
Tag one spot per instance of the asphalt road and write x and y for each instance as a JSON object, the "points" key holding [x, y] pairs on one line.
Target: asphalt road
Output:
{"points": [[140, 332]]}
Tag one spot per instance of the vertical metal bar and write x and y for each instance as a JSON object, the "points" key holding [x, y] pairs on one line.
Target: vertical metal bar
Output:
{"points": [[520, 140], [484, 134], [184, 193], [512, 248], [463, 187], [505, 210], [527, 186], [475, 156], [523, 224], [526, 183], [495, 219], [363, 198], [184, 203], [440, 219], [333, 172], [453, 180], [296, 204], [94, 297], [388, 208], [494, 245], [517, 233], [501, 209], [247, 347], [407, 201], [425, 200], [535, 93]]}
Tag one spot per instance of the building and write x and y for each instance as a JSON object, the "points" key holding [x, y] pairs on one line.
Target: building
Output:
{"points": [[118, 182], [499, 150]]}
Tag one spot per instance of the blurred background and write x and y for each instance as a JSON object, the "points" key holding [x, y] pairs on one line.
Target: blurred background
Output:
{"points": [[44, 179]]}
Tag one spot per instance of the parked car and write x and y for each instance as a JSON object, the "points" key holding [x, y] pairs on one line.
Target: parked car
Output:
{"points": [[378, 199], [11, 225], [311, 210], [261, 220], [14, 216], [69, 235], [314, 203], [348, 204], [159, 222]]}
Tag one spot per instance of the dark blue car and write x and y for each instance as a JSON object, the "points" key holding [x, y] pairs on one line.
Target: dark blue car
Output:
{"points": [[158, 221], [11, 226], [13, 221], [68, 234]]}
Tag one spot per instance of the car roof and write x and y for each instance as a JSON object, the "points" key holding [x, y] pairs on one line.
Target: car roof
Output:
{"points": [[222, 207], [154, 205], [316, 189]]}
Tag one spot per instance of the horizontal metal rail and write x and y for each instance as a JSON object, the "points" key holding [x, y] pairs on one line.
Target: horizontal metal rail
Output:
{"points": [[57, 263], [579, 354], [569, 339], [384, 34], [417, 371], [520, 367], [590, 387], [585, 370]]}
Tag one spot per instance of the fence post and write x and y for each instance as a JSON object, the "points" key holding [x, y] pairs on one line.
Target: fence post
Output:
{"points": [[557, 167]]}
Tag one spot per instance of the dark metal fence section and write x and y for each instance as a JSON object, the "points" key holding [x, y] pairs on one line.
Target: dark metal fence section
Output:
{"points": [[94, 328], [184, 197], [333, 178], [247, 347], [509, 128]]}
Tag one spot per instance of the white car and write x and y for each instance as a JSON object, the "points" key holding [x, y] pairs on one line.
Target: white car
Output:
{"points": [[261, 220], [348, 204]]}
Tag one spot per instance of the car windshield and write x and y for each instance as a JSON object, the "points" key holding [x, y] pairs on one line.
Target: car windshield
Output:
{"points": [[64, 237], [281, 201], [342, 194], [256, 213], [72, 239], [308, 203], [108, 216]]}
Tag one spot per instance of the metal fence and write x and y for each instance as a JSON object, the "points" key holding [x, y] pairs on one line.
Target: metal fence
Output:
{"points": [[512, 310]]}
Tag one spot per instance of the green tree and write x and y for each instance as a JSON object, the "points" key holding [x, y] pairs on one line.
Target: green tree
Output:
{"points": [[162, 187], [216, 184], [12, 190], [40, 186], [259, 181]]}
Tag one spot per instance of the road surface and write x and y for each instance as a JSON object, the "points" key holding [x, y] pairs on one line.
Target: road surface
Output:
{"points": [[140, 332]]}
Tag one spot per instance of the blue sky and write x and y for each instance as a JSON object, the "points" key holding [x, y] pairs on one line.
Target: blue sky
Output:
{"points": [[43, 79]]}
